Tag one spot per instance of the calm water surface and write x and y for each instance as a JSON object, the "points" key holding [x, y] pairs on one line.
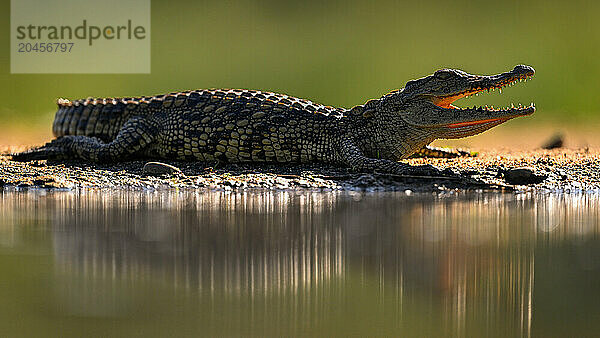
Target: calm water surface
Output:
{"points": [[282, 263]]}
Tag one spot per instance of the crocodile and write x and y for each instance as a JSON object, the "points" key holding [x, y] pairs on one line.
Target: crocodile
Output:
{"points": [[231, 125]]}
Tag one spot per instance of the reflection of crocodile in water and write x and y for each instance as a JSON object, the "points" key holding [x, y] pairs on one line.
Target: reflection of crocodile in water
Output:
{"points": [[311, 255], [253, 126]]}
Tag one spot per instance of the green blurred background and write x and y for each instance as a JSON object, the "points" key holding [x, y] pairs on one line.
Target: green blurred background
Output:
{"points": [[342, 53]]}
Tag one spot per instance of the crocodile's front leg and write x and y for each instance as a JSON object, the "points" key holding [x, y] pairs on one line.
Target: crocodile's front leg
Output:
{"points": [[353, 157], [133, 137]]}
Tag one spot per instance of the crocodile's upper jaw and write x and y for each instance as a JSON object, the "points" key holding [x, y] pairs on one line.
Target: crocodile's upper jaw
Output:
{"points": [[428, 101]]}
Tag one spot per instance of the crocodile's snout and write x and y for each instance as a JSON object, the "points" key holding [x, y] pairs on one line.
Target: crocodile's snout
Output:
{"points": [[524, 70]]}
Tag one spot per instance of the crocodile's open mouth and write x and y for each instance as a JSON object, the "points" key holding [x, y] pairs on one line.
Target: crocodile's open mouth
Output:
{"points": [[493, 115]]}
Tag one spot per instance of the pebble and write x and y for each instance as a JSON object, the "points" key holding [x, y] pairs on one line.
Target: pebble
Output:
{"points": [[159, 168], [523, 176]]}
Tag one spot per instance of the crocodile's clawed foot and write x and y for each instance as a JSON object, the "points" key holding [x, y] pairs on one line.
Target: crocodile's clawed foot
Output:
{"points": [[431, 171], [466, 153], [423, 170]]}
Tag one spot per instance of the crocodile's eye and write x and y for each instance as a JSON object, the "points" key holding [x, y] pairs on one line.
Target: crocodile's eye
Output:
{"points": [[443, 74]]}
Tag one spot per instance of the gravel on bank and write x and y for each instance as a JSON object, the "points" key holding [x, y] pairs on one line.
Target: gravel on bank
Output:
{"points": [[564, 170]]}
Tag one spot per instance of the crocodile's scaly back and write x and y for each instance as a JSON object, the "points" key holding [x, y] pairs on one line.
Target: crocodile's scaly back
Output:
{"points": [[103, 117], [234, 125]]}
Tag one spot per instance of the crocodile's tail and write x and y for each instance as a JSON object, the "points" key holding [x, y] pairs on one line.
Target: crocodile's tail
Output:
{"points": [[100, 118], [104, 117]]}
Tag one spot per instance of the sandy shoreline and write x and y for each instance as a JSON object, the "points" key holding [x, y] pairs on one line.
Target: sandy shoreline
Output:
{"points": [[562, 170]]}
